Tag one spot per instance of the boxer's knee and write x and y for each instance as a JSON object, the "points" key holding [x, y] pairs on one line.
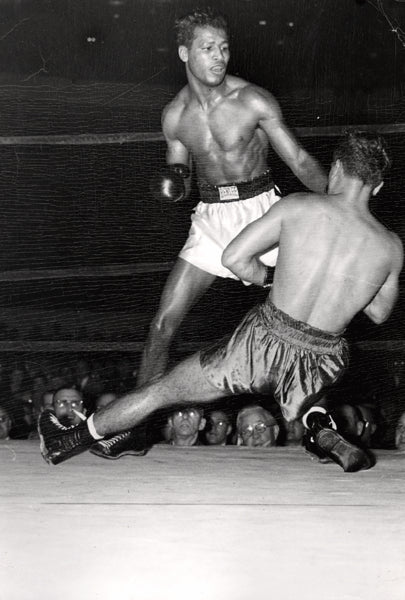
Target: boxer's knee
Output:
{"points": [[164, 327]]}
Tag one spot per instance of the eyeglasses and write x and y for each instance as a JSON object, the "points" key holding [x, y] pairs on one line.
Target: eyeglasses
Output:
{"points": [[258, 428], [75, 404]]}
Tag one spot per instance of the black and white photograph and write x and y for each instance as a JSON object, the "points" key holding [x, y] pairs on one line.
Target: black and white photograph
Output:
{"points": [[202, 328]]}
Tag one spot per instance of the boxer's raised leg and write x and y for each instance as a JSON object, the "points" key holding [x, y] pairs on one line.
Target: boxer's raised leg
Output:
{"points": [[185, 384], [184, 287]]}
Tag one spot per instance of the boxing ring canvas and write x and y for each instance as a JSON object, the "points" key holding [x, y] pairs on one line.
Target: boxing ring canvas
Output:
{"points": [[226, 524]]}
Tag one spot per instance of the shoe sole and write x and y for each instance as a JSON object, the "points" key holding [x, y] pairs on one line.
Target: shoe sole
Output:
{"points": [[349, 457], [101, 454]]}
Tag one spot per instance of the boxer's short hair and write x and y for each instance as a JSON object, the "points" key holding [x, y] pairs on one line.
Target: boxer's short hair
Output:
{"points": [[186, 25], [363, 155]]}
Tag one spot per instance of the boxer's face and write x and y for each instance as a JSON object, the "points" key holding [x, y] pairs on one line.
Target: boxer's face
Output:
{"points": [[208, 56]]}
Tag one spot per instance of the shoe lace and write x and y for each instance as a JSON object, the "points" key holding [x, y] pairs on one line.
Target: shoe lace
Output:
{"points": [[114, 440], [62, 428]]}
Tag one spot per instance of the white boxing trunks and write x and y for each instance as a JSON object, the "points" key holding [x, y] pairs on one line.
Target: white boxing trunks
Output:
{"points": [[222, 213]]}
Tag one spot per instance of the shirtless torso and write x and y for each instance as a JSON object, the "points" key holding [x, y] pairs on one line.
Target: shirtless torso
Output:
{"points": [[335, 258], [225, 141]]}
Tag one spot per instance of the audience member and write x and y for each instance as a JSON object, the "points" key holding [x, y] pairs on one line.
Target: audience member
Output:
{"points": [[5, 424], [294, 432], [255, 426], [400, 433], [68, 406], [357, 422], [47, 400], [184, 425], [218, 428]]}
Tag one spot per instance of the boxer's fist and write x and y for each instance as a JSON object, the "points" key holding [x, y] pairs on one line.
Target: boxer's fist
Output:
{"points": [[168, 183]]}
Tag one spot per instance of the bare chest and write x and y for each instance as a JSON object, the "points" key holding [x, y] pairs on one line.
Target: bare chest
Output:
{"points": [[221, 130]]}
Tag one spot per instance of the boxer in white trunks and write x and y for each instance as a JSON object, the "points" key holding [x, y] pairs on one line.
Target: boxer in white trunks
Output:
{"points": [[223, 125]]}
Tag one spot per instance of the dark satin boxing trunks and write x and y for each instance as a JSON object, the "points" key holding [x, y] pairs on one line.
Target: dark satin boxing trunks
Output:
{"points": [[272, 353]]}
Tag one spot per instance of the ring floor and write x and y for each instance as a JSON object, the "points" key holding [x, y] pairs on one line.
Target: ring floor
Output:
{"points": [[201, 523]]}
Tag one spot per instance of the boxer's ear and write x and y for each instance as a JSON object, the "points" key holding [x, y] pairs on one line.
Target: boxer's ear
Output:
{"points": [[377, 189], [335, 169], [183, 53], [275, 431]]}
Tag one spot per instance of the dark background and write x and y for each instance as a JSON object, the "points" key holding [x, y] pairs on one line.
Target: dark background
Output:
{"points": [[109, 66]]}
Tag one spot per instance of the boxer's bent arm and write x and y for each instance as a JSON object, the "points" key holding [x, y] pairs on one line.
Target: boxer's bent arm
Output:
{"points": [[176, 152], [381, 306], [241, 256]]}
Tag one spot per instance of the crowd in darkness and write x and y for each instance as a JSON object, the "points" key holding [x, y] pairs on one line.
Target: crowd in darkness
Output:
{"points": [[368, 405]]}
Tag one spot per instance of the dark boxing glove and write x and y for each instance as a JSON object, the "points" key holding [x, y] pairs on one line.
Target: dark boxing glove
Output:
{"points": [[168, 183]]}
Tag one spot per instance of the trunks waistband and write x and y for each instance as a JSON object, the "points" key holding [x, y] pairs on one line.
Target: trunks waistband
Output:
{"points": [[299, 333], [232, 192]]}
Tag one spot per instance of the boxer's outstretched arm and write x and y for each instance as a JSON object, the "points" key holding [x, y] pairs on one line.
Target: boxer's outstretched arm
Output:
{"points": [[302, 164]]}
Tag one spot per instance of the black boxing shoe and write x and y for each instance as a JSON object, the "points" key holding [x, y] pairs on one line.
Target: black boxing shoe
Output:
{"points": [[58, 442], [350, 457], [123, 444], [311, 448], [323, 440]]}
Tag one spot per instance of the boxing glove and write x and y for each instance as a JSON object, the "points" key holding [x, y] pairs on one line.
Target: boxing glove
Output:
{"points": [[168, 183]]}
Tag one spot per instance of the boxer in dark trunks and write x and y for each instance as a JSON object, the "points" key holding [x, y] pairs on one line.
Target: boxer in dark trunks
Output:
{"points": [[335, 260]]}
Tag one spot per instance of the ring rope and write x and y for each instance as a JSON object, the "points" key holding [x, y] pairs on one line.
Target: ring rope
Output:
{"points": [[84, 139], [74, 346], [112, 270]]}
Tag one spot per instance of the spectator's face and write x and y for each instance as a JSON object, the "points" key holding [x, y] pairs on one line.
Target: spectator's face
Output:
{"points": [[16, 376], [28, 408], [358, 424], [400, 433], [256, 430], [399, 371], [217, 428], [47, 401], [186, 422], [65, 402], [82, 369], [295, 431], [5, 424], [104, 400]]}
